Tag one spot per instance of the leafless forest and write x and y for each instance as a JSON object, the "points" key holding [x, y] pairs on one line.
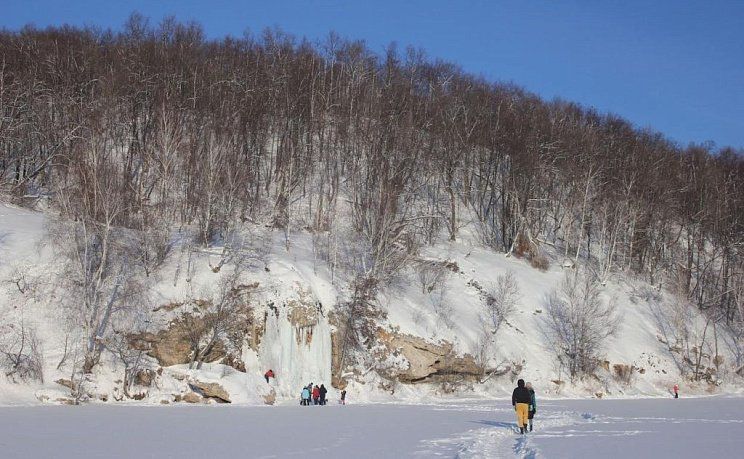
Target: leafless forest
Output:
{"points": [[134, 133]]}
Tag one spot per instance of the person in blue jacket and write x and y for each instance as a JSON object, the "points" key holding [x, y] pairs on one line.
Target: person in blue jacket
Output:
{"points": [[305, 397], [533, 404]]}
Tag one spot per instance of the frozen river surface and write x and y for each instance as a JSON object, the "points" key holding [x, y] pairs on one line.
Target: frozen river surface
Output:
{"points": [[637, 428]]}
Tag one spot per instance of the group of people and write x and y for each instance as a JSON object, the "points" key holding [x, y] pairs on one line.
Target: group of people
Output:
{"points": [[314, 395], [525, 404], [311, 394]]}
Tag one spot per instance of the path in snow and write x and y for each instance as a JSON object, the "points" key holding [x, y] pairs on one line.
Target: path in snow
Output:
{"points": [[638, 428], [712, 427]]}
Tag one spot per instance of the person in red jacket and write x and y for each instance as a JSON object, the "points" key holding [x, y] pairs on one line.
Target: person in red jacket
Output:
{"points": [[269, 374], [316, 395], [676, 391]]}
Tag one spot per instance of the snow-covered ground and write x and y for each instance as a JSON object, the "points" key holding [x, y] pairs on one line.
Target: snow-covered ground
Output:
{"points": [[684, 428]]}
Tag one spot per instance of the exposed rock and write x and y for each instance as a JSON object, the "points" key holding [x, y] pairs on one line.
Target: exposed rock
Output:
{"points": [[172, 346], [164, 402], [452, 266], [189, 397], [499, 371], [66, 401], [605, 364], [145, 377], [303, 311], [234, 362], [567, 263], [428, 362], [270, 398], [168, 306], [516, 368], [211, 390], [337, 380], [599, 394], [67, 383]]}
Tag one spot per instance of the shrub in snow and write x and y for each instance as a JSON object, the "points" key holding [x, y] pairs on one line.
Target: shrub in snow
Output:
{"points": [[578, 322], [502, 299], [431, 275], [20, 353]]}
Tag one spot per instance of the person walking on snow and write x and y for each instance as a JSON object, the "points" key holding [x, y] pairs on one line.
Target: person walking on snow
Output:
{"points": [[323, 392], [676, 391], [521, 399], [269, 374], [343, 397], [533, 404], [316, 395]]}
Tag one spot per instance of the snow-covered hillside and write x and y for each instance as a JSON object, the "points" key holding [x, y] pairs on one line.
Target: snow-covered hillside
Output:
{"points": [[290, 298]]}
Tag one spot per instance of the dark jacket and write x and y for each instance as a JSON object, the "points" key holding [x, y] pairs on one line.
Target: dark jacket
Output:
{"points": [[323, 392], [533, 402], [521, 395]]}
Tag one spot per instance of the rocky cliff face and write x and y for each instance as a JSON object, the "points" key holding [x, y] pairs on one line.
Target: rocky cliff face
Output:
{"points": [[295, 338], [426, 361]]}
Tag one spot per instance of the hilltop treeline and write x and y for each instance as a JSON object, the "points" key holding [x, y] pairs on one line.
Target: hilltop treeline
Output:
{"points": [[158, 126]]}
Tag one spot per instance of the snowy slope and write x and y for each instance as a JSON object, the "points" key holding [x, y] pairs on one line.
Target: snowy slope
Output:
{"points": [[454, 313], [22, 250]]}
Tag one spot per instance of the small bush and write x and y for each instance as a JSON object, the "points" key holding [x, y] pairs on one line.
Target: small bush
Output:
{"points": [[623, 373], [522, 246], [540, 262], [432, 275], [21, 358], [502, 299]]}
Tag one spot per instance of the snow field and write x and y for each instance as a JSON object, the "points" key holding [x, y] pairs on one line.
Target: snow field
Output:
{"points": [[642, 428]]}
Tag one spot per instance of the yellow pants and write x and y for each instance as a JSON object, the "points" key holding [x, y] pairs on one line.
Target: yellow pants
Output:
{"points": [[522, 414]]}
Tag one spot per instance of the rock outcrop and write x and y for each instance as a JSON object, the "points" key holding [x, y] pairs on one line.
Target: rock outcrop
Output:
{"points": [[427, 361], [67, 383], [189, 397], [145, 377], [172, 345], [270, 398], [211, 391]]}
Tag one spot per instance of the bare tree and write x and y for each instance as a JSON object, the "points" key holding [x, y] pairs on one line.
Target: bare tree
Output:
{"points": [[501, 300], [100, 283], [578, 322], [215, 317], [431, 274], [21, 357]]}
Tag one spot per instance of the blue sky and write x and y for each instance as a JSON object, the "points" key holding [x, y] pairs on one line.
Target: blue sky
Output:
{"points": [[674, 65]]}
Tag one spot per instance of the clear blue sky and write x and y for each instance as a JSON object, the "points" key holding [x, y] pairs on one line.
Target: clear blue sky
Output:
{"points": [[674, 65]]}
